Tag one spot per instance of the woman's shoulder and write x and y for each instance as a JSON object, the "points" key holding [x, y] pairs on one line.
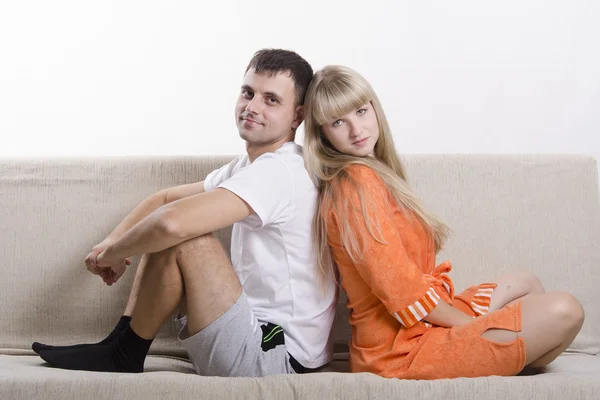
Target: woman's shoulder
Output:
{"points": [[360, 170], [359, 184], [361, 175]]}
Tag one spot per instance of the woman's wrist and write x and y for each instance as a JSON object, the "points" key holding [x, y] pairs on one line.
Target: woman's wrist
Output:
{"points": [[447, 316]]}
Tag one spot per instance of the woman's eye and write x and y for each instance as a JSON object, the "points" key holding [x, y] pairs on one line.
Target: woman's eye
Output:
{"points": [[337, 123], [361, 111]]}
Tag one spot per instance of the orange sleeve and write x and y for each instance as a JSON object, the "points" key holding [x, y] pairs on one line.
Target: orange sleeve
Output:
{"points": [[386, 267]]}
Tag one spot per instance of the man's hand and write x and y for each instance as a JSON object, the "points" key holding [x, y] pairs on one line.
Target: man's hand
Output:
{"points": [[109, 271]]}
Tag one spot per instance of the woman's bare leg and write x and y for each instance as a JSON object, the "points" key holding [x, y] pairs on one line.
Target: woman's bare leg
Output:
{"points": [[550, 323], [513, 287]]}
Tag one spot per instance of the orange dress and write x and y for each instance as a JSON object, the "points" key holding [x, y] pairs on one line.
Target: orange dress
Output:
{"points": [[393, 287]]}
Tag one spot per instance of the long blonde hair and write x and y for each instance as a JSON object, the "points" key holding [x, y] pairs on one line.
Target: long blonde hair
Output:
{"points": [[334, 92]]}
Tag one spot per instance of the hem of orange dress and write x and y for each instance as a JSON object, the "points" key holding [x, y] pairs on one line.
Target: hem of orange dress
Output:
{"points": [[521, 341]]}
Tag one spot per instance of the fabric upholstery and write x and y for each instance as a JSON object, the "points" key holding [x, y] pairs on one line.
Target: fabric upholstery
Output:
{"points": [[519, 212]]}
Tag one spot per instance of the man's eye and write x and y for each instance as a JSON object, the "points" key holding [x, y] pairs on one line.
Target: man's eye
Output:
{"points": [[272, 100], [246, 93]]}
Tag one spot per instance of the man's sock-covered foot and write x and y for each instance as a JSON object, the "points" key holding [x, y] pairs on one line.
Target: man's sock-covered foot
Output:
{"points": [[121, 325], [124, 354]]}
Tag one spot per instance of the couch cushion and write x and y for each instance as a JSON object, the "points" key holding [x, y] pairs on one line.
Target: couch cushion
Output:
{"points": [[26, 377]]}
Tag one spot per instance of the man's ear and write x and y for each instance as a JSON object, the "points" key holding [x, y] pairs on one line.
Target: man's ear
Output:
{"points": [[298, 117]]}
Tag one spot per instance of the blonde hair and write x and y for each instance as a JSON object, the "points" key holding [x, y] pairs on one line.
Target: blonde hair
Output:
{"points": [[334, 92]]}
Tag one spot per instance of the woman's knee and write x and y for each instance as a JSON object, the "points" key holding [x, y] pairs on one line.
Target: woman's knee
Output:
{"points": [[529, 281], [565, 307], [534, 283], [514, 286]]}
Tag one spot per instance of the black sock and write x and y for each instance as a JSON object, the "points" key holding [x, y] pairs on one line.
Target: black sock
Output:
{"points": [[121, 325], [124, 354]]}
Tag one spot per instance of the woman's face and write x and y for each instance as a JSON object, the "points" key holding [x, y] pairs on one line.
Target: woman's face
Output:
{"points": [[355, 133]]}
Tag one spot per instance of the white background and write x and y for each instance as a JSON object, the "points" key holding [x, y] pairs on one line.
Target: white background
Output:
{"points": [[161, 77]]}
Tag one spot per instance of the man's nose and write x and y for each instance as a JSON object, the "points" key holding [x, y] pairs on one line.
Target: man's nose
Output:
{"points": [[254, 106]]}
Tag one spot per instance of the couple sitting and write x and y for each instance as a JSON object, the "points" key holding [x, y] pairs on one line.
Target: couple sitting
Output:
{"points": [[300, 217]]}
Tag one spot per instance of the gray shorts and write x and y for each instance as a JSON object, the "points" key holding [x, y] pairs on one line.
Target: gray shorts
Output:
{"points": [[237, 344]]}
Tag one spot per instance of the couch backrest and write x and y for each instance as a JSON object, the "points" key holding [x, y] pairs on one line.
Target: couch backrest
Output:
{"points": [[533, 213]]}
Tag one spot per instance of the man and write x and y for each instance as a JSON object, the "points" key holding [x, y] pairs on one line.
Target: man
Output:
{"points": [[264, 312]]}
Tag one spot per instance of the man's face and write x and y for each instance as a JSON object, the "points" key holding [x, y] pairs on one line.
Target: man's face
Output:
{"points": [[266, 111]]}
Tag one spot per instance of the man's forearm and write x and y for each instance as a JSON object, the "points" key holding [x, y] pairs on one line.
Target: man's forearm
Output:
{"points": [[447, 316], [141, 211], [179, 221], [150, 235]]}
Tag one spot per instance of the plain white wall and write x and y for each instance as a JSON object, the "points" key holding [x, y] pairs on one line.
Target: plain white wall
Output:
{"points": [[161, 77]]}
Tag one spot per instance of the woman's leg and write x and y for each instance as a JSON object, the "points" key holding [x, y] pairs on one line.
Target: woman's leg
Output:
{"points": [[550, 323], [512, 287]]}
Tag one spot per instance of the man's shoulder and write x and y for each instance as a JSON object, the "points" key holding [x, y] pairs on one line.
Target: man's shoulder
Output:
{"points": [[289, 148], [288, 152], [286, 158], [238, 162]]}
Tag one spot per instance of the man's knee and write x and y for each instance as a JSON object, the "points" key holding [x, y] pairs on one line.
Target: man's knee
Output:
{"points": [[163, 257], [206, 245], [200, 243]]}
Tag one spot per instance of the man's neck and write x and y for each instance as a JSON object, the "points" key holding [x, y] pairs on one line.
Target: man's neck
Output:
{"points": [[255, 151]]}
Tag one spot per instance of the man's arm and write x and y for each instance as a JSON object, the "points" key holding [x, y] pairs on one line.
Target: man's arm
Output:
{"points": [[141, 211], [177, 222], [151, 204]]}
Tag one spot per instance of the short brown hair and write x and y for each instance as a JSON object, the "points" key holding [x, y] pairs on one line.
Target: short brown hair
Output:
{"points": [[274, 61]]}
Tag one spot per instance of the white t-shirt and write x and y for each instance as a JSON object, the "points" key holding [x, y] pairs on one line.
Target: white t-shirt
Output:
{"points": [[272, 250]]}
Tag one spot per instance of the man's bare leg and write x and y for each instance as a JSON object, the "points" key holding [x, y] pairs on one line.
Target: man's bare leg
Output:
{"points": [[135, 286], [209, 281], [211, 285], [135, 289]]}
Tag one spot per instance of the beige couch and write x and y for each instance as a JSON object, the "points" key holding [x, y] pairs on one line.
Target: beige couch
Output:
{"points": [[535, 213]]}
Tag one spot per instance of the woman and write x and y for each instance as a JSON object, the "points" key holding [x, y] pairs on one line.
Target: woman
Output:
{"points": [[406, 320]]}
